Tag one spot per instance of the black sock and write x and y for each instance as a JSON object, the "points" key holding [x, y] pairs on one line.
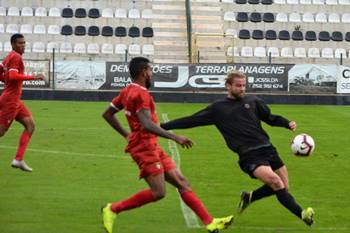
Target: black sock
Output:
{"points": [[287, 200], [263, 191]]}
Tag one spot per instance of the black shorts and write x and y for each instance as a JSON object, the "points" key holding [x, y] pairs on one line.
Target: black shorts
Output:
{"points": [[264, 156]]}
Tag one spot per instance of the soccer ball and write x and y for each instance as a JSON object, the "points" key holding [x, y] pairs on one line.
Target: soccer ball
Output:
{"points": [[303, 145]]}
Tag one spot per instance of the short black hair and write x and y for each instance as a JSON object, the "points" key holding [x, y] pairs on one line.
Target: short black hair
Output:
{"points": [[137, 65], [16, 36]]}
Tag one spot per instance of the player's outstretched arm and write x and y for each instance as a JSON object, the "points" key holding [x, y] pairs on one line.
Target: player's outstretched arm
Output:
{"points": [[14, 75], [201, 118], [266, 116], [144, 116], [109, 116]]}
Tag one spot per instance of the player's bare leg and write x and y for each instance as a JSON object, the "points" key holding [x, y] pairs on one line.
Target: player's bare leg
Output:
{"points": [[269, 177], [282, 172], [29, 128], [3, 130], [175, 178], [272, 179], [247, 198]]}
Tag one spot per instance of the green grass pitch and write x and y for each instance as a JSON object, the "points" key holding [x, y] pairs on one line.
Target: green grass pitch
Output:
{"points": [[79, 165]]}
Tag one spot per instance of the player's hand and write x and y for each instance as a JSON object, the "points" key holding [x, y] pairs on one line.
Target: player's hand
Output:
{"points": [[39, 77], [293, 125], [184, 142]]}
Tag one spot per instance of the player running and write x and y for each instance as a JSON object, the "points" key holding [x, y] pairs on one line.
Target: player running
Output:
{"points": [[11, 106], [238, 118], [155, 166]]}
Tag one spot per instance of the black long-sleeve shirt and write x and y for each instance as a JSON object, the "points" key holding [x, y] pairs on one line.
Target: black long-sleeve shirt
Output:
{"points": [[239, 122]]}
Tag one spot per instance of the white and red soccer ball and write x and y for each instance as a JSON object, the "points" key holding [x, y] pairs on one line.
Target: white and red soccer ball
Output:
{"points": [[303, 145]]}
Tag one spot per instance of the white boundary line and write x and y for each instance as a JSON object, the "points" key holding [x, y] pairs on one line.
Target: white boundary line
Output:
{"points": [[67, 153], [190, 217]]}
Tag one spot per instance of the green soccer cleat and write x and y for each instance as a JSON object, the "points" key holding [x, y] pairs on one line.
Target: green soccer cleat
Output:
{"points": [[219, 224], [308, 216], [244, 202], [108, 218]]}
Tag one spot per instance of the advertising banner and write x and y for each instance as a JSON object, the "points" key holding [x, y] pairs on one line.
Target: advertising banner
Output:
{"points": [[203, 77], [117, 76], [343, 79], [261, 78], [312, 79], [33, 67], [81, 75]]}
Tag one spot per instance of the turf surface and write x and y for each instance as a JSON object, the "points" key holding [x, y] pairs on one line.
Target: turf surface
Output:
{"points": [[79, 165]]}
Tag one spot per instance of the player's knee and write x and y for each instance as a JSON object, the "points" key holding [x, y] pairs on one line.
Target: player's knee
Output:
{"points": [[286, 186], [276, 183], [2, 132], [185, 188], [184, 185], [159, 194], [30, 129]]}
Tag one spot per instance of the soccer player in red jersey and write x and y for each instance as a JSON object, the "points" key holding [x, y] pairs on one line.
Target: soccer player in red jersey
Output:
{"points": [[155, 166], [11, 106]]}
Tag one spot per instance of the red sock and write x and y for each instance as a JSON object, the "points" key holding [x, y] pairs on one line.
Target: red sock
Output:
{"points": [[191, 199], [22, 145], [141, 198]]}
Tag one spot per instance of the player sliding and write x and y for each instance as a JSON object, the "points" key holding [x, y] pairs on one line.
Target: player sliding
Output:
{"points": [[238, 118], [11, 106], [155, 166]]}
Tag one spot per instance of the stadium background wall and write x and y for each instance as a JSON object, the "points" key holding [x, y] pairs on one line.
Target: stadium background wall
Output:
{"points": [[196, 83]]}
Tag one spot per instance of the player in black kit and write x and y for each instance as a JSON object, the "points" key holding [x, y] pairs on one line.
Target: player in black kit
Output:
{"points": [[238, 118]]}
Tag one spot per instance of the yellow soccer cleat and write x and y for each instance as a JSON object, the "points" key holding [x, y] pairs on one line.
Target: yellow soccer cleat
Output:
{"points": [[244, 202], [108, 218], [219, 224], [308, 216]]}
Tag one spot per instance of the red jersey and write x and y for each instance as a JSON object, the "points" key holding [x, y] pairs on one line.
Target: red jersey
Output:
{"points": [[132, 99], [2, 73], [13, 87]]}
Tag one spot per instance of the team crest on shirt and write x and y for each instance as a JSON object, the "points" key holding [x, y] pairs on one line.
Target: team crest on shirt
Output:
{"points": [[246, 106], [158, 165]]}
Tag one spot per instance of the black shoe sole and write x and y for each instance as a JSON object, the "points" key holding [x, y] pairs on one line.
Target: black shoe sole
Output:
{"points": [[229, 223]]}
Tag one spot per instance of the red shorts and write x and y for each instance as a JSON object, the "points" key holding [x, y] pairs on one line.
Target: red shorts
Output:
{"points": [[151, 159], [12, 111]]}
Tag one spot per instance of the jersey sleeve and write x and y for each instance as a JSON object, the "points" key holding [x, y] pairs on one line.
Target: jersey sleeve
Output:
{"points": [[13, 68], [201, 118], [142, 101], [14, 75], [14, 63], [266, 116], [117, 102]]}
